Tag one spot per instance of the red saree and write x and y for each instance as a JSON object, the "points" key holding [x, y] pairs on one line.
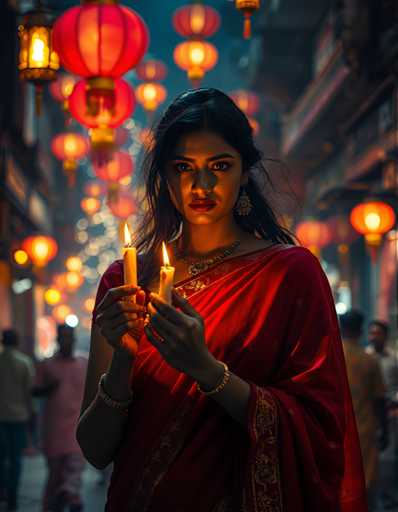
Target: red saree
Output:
{"points": [[270, 316]]}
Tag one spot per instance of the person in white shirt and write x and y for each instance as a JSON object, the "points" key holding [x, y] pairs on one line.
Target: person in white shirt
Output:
{"points": [[16, 380]]}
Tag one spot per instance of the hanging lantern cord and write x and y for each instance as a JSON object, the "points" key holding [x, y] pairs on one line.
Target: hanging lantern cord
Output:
{"points": [[38, 98], [247, 28]]}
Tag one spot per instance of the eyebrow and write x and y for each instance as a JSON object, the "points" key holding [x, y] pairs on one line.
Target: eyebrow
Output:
{"points": [[211, 159]]}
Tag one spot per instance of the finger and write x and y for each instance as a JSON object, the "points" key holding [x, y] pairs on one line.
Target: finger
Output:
{"points": [[159, 345], [122, 319], [141, 297], [115, 294], [162, 327], [118, 308], [167, 311], [158, 315], [111, 334], [183, 304]]}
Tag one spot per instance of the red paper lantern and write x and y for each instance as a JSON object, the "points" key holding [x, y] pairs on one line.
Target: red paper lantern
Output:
{"points": [[41, 249], [123, 206], [70, 147], [196, 57], [196, 21], [94, 189], [100, 40], [373, 219], [314, 235], [90, 205], [120, 166], [150, 95], [247, 101], [62, 88], [151, 70]]}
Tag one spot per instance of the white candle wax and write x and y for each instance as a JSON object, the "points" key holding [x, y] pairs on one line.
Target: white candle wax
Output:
{"points": [[166, 278]]}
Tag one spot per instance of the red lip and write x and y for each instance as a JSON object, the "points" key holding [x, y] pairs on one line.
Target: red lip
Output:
{"points": [[202, 205]]}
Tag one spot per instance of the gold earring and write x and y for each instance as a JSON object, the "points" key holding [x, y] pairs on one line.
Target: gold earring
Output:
{"points": [[243, 205]]}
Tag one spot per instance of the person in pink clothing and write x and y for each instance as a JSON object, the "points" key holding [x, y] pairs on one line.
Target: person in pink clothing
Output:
{"points": [[60, 379]]}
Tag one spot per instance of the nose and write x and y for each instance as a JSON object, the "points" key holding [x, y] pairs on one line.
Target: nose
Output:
{"points": [[204, 180]]}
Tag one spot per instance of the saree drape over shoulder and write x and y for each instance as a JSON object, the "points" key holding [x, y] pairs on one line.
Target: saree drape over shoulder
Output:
{"points": [[269, 315]]}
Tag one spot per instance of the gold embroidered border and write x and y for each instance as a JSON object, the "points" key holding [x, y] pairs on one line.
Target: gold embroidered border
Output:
{"points": [[265, 475]]}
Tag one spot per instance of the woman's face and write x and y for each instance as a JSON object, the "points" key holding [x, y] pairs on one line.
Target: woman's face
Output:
{"points": [[204, 176]]}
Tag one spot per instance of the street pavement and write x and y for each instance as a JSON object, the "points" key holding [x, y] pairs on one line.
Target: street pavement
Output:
{"points": [[34, 477]]}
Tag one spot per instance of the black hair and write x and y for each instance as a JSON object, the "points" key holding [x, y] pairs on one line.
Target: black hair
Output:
{"points": [[10, 338], [351, 324], [383, 325], [192, 111]]}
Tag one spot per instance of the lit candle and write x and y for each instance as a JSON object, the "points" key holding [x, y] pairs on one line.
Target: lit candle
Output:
{"points": [[166, 277], [129, 259]]}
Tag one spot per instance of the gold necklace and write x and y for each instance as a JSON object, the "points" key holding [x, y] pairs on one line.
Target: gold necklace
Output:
{"points": [[200, 265]]}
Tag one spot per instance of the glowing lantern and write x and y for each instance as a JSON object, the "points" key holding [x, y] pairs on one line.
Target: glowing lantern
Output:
{"points": [[314, 235], [62, 88], [61, 312], [73, 281], [89, 304], [94, 188], [100, 116], [247, 7], [52, 296], [373, 219], [247, 101], [41, 249], [150, 95], [151, 70], [38, 62], [90, 205], [100, 41], [73, 264], [196, 57], [123, 206], [70, 147], [196, 21], [112, 171], [21, 257]]}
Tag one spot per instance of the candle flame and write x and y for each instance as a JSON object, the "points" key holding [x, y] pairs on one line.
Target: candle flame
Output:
{"points": [[127, 235], [166, 260]]}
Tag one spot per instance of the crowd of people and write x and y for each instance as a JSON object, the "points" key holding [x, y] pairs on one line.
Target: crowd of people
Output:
{"points": [[372, 370]]}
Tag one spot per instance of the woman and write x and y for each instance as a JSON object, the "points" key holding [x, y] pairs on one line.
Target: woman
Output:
{"points": [[235, 397]]}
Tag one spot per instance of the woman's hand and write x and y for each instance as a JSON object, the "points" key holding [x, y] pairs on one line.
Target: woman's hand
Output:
{"points": [[179, 336], [120, 319]]}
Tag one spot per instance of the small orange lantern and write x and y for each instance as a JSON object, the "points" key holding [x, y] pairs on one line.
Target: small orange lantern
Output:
{"points": [[74, 264], [94, 189], [196, 57], [62, 88], [61, 312], [89, 304], [373, 219], [123, 206], [196, 21], [41, 249], [150, 95], [90, 205], [70, 147], [314, 235], [52, 296], [112, 171], [247, 7], [151, 70], [73, 280]]}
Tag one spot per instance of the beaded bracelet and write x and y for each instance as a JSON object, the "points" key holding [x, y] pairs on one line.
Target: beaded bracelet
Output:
{"points": [[221, 385], [122, 407]]}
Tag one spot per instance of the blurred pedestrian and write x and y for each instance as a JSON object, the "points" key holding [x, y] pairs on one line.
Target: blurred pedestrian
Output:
{"points": [[16, 378], [60, 379], [368, 396], [378, 334]]}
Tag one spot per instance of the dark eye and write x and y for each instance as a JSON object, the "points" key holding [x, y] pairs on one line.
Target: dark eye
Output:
{"points": [[221, 166], [182, 166]]}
